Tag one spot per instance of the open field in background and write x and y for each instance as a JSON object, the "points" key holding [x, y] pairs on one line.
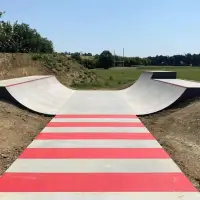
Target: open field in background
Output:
{"points": [[120, 78]]}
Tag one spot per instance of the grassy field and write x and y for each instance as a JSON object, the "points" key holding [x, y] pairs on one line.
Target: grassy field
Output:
{"points": [[122, 78]]}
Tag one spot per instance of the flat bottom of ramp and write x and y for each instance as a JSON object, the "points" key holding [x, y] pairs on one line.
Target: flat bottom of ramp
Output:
{"points": [[83, 157]]}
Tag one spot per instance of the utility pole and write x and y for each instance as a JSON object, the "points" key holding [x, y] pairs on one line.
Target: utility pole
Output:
{"points": [[120, 61], [123, 57], [114, 58]]}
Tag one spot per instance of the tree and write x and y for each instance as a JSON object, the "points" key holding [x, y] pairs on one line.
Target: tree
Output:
{"points": [[76, 56], [21, 38], [96, 56], [105, 60]]}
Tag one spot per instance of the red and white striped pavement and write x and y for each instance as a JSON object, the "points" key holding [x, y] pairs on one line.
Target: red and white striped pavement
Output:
{"points": [[95, 157]]}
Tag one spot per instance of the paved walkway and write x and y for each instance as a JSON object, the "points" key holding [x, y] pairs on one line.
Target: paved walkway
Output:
{"points": [[95, 157]]}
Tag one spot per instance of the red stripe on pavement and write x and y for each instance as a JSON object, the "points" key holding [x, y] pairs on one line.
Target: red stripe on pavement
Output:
{"points": [[95, 182], [95, 116], [64, 136], [95, 124], [74, 153]]}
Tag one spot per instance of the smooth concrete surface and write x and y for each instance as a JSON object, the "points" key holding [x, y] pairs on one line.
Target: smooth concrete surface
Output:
{"points": [[95, 130], [147, 96], [96, 120], [92, 102], [181, 82], [44, 95], [19, 80], [94, 166], [94, 144], [152, 92]]}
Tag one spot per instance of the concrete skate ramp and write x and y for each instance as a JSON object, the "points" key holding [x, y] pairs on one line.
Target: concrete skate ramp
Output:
{"points": [[42, 94], [157, 90], [152, 92], [148, 96]]}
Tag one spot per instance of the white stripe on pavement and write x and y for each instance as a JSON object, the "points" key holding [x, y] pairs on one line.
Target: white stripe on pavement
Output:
{"points": [[94, 144], [95, 120], [100, 196], [96, 129], [94, 166]]}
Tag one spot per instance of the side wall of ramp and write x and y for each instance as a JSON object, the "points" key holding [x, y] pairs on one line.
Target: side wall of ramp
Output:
{"points": [[87, 157]]}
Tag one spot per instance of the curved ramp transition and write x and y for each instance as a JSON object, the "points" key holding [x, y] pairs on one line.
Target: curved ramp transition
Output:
{"points": [[157, 90], [42, 94]]}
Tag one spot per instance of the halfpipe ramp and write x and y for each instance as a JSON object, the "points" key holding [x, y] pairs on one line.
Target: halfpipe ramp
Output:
{"points": [[152, 92]]}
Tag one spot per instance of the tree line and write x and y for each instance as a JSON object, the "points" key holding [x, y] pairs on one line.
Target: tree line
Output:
{"points": [[21, 38], [176, 60], [78, 53], [106, 60], [159, 60]]}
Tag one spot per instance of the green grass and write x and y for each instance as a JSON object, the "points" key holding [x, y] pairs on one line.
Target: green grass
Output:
{"points": [[117, 79], [122, 78]]}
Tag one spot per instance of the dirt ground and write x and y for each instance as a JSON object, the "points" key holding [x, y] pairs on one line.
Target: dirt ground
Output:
{"points": [[178, 131], [18, 128]]}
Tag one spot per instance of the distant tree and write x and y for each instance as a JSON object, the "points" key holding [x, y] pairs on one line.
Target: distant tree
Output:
{"points": [[89, 63], [76, 56], [105, 60], [96, 56]]}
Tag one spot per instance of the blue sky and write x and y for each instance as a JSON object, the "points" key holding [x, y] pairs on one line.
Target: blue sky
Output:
{"points": [[142, 27]]}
